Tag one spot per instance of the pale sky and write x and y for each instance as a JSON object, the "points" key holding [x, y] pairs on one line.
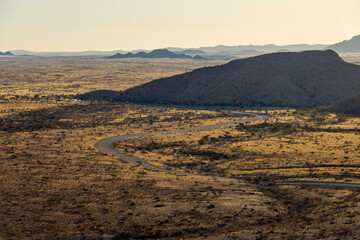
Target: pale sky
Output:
{"points": [[77, 25]]}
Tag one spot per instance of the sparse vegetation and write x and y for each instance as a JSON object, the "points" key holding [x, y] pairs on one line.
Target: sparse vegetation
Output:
{"points": [[287, 144], [55, 184]]}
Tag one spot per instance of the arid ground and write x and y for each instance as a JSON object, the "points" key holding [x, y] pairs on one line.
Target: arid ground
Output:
{"points": [[55, 185]]}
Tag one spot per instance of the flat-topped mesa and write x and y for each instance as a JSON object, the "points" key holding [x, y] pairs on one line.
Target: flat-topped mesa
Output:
{"points": [[310, 78]]}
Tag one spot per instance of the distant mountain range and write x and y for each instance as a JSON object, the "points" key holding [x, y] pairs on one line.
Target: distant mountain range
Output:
{"points": [[310, 78], [215, 52], [84, 53], [190, 51], [262, 48], [158, 53], [350, 46], [6, 54]]}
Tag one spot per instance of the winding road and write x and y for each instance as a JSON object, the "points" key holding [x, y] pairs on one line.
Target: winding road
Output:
{"points": [[106, 145]]}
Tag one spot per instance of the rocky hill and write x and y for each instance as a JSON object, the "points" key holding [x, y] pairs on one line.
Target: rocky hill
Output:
{"points": [[310, 78], [158, 53], [350, 46]]}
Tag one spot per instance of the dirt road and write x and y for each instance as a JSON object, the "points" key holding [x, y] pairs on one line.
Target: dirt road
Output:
{"points": [[106, 145]]}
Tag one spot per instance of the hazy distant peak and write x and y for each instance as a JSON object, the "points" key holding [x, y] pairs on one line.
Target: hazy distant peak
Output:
{"points": [[117, 54], [163, 50], [8, 53], [347, 46], [191, 51]]}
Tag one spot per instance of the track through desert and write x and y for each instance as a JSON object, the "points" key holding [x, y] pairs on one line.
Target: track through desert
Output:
{"points": [[106, 145]]}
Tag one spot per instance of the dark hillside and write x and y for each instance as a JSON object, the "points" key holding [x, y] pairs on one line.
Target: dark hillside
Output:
{"points": [[311, 78]]}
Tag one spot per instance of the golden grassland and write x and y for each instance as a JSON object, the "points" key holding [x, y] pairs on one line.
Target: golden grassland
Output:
{"points": [[48, 76], [44, 76], [56, 185], [301, 144]]}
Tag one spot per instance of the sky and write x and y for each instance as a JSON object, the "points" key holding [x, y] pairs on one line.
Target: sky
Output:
{"points": [[78, 25]]}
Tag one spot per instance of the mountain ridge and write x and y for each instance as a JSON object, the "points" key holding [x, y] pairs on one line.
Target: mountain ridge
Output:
{"points": [[157, 53], [347, 46], [310, 78], [211, 49], [8, 53]]}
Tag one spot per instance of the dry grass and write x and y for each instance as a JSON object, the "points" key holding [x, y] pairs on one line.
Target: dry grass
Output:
{"points": [[302, 143], [46, 76], [56, 185]]}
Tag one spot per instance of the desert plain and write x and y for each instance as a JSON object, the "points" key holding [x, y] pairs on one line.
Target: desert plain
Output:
{"points": [[55, 185]]}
